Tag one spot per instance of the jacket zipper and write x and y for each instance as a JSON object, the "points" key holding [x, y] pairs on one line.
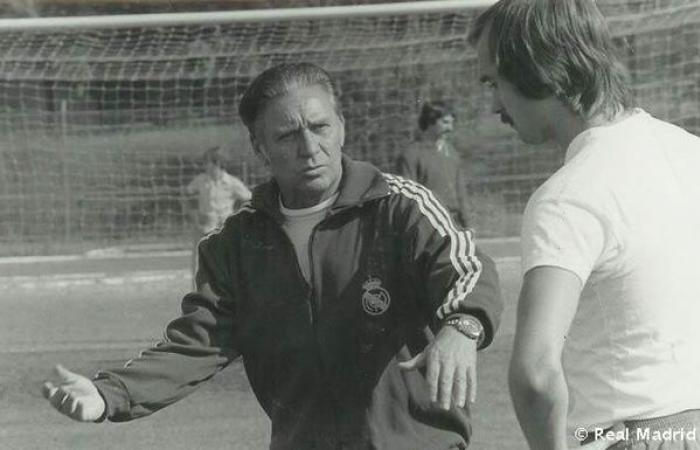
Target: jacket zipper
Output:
{"points": [[300, 276], [310, 300], [332, 399], [311, 289], [312, 292]]}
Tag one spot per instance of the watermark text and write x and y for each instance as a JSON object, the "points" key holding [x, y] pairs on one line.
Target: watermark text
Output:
{"points": [[673, 434]]}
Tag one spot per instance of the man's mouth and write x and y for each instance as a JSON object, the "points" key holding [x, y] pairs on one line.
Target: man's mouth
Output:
{"points": [[311, 170]]}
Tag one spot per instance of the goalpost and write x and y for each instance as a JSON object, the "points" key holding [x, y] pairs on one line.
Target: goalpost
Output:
{"points": [[103, 119]]}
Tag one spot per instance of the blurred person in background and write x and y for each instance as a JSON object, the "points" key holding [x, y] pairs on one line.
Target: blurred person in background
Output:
{"points": [[607, 326], [218, 195], [356, 304], [434, 162]]}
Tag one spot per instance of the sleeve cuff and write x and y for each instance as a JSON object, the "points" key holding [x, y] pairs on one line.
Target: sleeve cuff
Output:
{"points": [[114, 395]]}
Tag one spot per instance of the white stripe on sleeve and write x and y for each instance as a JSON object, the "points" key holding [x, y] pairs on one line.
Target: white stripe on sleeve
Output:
{"points": [[462, 257]]}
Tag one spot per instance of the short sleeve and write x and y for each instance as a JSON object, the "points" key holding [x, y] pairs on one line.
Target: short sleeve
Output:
{"points": [[562, 233]]}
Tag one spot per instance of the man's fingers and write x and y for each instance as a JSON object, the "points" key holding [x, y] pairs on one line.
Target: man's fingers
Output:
{"points": [[80, 411], [432, 376], [471, 375], [65, 375], [446, 386], [460, 387], [450, 369], [58, 398], [73, 396], [48, 389], [67, 406], [416, 362]]}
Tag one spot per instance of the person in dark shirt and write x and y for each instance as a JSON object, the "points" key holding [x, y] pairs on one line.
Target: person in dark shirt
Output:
{"points": [[434, 162]]}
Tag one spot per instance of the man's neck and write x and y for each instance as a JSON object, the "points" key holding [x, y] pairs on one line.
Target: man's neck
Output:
{"points": [[570, 125], [567, 129]]}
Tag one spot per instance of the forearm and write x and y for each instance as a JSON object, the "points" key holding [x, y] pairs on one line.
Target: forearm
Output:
{"points": [[547, 304], [154, 380], [197, 344], [456, 276], [540, 398]]}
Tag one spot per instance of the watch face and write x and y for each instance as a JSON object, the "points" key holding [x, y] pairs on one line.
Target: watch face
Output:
{"points": [[469, 327]]}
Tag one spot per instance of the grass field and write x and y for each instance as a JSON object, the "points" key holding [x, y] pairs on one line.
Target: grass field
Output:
{"points": [[92, 325]]}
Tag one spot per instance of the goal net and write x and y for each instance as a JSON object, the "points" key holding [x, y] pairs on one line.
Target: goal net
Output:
{"points": [[103, 120]]}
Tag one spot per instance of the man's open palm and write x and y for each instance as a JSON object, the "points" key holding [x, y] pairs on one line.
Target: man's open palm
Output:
{"points": [[74, 395]]}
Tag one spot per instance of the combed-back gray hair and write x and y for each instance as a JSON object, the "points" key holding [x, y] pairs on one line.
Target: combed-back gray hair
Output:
{"points": [[278, 80]]}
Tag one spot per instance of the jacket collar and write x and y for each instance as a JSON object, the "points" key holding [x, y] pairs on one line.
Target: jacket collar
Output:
{"points": [[360, 182]]}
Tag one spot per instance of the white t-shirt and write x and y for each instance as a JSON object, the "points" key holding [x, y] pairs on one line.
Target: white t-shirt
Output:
{"points": [[216, 197], [623, 214], [299, 223]]}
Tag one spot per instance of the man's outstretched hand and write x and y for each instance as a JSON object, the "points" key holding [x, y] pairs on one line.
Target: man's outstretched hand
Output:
{"points": [[74, 395], [450, 362]]}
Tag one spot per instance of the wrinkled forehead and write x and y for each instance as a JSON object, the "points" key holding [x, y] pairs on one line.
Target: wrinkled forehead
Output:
{"points": [[304, 88], [298, 104]]}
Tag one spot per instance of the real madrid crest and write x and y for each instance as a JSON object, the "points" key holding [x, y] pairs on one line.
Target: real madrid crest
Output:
{"points": [[375, 299]]}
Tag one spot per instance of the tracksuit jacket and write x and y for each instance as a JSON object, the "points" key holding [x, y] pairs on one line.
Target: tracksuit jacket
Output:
{"points": [[321, 356]]}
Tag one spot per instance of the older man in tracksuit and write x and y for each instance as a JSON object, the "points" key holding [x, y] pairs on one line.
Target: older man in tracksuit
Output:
{"points": [[332, 303]]}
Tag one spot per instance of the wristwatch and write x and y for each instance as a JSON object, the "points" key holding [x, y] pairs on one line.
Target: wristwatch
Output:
{"points": [[468, 326]]}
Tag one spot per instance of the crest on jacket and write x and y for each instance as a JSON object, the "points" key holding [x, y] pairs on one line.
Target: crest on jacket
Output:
{"points": [[375, 299]]}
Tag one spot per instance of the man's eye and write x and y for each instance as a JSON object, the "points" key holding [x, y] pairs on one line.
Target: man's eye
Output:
{"points": [[320, 127]]}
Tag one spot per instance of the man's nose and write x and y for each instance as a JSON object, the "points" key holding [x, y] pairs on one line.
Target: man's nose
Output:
{"points": [[308, 146]]}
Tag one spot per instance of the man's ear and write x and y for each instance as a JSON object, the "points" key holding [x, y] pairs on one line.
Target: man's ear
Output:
{"points": [[341, 118], [259, 149]]}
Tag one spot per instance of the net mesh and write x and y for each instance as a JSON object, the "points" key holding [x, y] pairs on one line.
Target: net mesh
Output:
{"points": [[101, 130]]}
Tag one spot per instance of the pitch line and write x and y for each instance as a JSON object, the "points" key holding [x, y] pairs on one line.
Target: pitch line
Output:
{"points": [[92, 279], [92, 256], [51, 347]]}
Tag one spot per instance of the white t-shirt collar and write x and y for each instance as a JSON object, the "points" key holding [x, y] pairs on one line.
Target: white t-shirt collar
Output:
{"points": [[325, 204]]}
